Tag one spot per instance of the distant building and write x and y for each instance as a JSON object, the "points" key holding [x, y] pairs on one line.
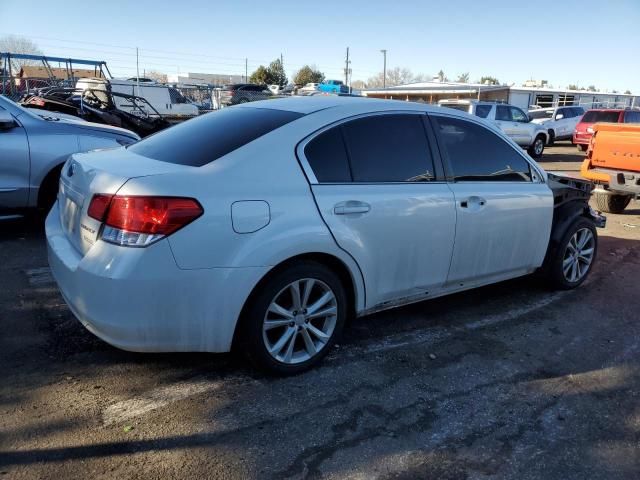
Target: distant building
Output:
{"points": [[523, 97], [536, 83], [217, 79], [32, 72]]}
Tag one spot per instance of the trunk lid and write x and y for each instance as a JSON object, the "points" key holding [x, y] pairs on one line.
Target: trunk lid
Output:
{"points": [[84, 175]]}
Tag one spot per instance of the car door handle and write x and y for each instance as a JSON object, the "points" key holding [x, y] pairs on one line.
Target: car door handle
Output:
{"points": [[473, 202], [351, 207]]}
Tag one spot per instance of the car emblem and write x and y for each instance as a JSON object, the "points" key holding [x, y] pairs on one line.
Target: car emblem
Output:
{"points": [[71, 170]]}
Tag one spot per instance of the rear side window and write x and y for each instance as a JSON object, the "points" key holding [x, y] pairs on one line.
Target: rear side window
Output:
{"points": [[483, 110], [328, 157], [388, 148], [477, 154], [632, 117], [594, 116], [206, 138], [503, 113]]}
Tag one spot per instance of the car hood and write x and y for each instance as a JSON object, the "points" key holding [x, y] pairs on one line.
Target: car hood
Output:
{"points": [[540, 121], [99, 127]]}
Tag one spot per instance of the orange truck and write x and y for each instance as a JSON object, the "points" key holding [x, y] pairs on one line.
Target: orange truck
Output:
{"points": [[613, 164]]}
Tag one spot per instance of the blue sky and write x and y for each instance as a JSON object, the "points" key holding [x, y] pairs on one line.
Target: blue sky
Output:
{"points": [[564, 41]]}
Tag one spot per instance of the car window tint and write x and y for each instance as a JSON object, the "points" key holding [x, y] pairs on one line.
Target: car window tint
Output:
{"points": [[503, 113], [206, 138], [632, 117], [593, 116], [518, 115], [388, 148], [477, 154], [483, 110], [327, 157]]}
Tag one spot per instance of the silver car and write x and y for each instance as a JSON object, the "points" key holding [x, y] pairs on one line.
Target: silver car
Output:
{"points": [[33, 149]]}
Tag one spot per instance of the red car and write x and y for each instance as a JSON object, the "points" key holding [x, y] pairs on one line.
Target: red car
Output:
{"points": [[584, 131]]}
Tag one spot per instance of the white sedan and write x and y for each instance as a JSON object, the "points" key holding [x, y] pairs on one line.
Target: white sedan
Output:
{"points": [[264, 226]]}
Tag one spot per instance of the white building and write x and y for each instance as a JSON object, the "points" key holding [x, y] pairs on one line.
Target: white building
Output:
{"points": [[218, 79], [523, 97]]}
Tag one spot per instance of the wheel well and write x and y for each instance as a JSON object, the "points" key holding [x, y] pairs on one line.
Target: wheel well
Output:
{"points": [[50, 181], [551, 132], [334, 263]]}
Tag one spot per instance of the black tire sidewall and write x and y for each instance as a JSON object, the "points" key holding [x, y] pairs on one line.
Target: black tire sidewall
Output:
{"points": [[532, 149], [556, 275], [251, 323]]}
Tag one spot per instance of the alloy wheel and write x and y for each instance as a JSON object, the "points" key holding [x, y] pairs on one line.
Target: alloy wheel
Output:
{"points": [[300, 321], [578, 255], [538, 146]]}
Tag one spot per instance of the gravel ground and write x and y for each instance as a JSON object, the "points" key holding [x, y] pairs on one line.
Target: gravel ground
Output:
{"points": [[508, 381]]}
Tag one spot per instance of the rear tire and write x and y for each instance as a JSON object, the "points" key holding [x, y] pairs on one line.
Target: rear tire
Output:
{"points": [[283, 337], [610, 203], [537, 148], [572, 259], [582, 147]]}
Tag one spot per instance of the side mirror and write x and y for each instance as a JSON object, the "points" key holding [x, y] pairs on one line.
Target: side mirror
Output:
{"points": [[6, 120], [559, 116]]}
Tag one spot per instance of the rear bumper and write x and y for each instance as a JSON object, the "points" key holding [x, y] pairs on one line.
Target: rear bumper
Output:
{"points": [[612, 181], [582, 138], [137, 299]]}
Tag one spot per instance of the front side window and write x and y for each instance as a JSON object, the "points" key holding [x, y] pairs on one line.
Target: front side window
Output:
{"points": [[388, 148], [475, 153], [503, 113], [518, 115]]}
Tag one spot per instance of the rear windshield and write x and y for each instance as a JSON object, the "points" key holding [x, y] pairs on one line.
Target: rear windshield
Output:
{"points": [[600, 116], [209, 137]]}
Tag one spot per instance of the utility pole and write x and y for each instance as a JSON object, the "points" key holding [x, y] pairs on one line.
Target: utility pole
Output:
{"points": [[346, 68], [282, 65], [246, 70], [137, 72], [384, 69]]}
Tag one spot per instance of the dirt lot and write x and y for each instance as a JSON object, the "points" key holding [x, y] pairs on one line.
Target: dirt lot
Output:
{"points": [[509, 381]]}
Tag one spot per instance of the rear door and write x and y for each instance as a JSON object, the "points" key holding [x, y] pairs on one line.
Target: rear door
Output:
{"points": [[14, 167], [521, 127], [385, 201], [504, 210]]}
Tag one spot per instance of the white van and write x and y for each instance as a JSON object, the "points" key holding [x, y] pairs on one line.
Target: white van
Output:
{"points": [[168, 101]]}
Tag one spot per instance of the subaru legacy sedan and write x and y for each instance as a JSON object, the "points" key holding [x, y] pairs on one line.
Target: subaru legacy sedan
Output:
{"points": [[263, 226]]}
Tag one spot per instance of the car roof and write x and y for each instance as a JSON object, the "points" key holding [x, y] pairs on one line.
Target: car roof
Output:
{"points": [[315, 103]]}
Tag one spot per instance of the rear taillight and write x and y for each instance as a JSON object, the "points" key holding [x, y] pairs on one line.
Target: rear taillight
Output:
{"points": [[138, 221]]}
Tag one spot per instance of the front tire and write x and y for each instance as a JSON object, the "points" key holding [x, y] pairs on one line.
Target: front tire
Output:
{"points": [[552, 138], [571, 261], [610, 203], [537, 148], [294, 318]]}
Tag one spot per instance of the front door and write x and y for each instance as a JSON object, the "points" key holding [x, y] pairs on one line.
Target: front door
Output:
{"points": [[385, 203], [14, 167], [503, 207]]}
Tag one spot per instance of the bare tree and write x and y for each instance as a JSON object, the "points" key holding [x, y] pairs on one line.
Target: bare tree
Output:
{"points": [[395, 76], [17, 44], [157, 76], [463, 78]]}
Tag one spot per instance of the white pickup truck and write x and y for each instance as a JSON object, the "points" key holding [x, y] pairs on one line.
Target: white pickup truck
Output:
{"points": [[167, 100], [560, 122], [511, 120]]}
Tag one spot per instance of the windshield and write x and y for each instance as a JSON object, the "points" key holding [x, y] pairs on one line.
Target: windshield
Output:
{"points": [[600, 116], [537, 114], [458, 106]]}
